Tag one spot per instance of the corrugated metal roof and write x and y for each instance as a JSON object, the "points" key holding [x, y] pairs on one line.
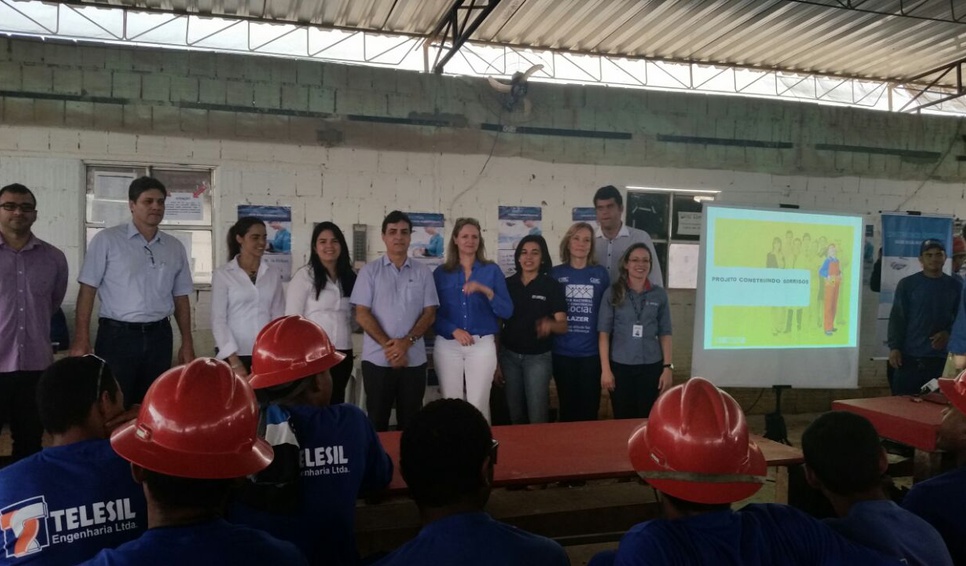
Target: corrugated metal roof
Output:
{"points": [[816, 36]]}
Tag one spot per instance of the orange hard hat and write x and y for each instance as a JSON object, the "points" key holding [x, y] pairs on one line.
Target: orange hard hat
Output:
{"points": [[695, 446], [198, 420], [288, 349], [955, 391]]}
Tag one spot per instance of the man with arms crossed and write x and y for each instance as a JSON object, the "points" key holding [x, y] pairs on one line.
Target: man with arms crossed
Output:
{"points": [[33, 280], [613, 237], [395, 301], [141, 276]]}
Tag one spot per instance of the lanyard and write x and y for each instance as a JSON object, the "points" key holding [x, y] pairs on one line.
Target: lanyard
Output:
{"points": [[637, 311]]}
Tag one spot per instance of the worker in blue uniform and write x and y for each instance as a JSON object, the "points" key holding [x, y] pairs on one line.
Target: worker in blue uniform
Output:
{"points": [[326, 456], [194, 438], [446, 456], [694, 450], [75, 497]]}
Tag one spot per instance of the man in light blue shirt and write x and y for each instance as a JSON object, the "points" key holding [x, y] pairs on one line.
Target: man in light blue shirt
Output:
{"points": [[395, 302], [141, 276]]}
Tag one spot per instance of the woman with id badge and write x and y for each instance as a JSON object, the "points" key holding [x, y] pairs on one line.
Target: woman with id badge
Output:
{"points": [[635, 338]]}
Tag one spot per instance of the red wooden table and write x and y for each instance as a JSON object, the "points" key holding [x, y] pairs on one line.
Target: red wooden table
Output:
{"points": [[589, 450], [906, 421]]}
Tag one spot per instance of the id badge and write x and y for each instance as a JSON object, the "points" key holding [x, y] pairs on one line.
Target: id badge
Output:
{"points": [[637, 331]]}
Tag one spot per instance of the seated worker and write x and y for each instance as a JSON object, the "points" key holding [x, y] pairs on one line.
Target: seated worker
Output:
{"points": [[695, 452], [64, 504], [326, 455], [446, 456], [195, 435], [845, 460], [942, 499]]}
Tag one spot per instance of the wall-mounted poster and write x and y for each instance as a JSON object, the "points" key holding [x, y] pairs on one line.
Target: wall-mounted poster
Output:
{"points": [[278, 226], [515, 223], [584, 214], [428, 243]]}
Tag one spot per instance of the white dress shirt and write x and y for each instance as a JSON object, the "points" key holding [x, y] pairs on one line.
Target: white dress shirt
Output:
{"points": [[331, 310], [240, 308]]}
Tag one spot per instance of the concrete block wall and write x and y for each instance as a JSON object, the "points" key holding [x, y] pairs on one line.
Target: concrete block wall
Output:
{"points": [[288, 133]]}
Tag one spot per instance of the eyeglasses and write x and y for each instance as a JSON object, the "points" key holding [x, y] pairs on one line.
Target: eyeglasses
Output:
{"points": [[150, 255], [25, 208], [100, 375]]}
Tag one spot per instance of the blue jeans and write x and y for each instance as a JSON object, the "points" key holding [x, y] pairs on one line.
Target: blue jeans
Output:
{"points": [[527, 385]]}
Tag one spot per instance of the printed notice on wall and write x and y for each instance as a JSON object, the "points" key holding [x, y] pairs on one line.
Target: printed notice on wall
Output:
{"points": [[689, 223], [183, 206], [278, 225]]}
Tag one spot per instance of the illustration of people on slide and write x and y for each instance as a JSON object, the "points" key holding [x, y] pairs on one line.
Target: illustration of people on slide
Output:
{"points": [[818, 260], [831, 273], [776, 260]]}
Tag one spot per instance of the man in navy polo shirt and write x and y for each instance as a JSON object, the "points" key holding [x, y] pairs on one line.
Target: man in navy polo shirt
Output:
{"points": [[65, 503]]}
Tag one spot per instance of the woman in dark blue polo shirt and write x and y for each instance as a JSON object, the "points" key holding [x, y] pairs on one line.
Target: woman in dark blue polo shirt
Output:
{"points": [[539, 311], [635, 337]]}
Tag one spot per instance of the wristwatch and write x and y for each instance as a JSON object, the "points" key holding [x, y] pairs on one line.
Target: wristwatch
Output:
{"points": [[668, 366], [413, 338]]}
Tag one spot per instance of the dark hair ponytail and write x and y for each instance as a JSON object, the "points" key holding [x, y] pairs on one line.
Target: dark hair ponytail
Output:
{"points": [[239, 229]]}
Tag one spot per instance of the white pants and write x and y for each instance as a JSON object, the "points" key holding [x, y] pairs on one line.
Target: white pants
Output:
{"points": [[477, 362]]}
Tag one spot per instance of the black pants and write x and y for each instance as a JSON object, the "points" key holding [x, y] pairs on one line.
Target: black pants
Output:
{"points": [[18, 408], [578, 387], [386, 387], [635, 389], [137, 354], [341, 374], [914, 372]]}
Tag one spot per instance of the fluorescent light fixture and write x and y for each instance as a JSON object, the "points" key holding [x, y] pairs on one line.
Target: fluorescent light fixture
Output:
{"points": [[660, 190]]}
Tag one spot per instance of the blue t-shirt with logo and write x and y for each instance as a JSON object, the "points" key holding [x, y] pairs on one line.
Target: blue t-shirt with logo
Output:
{"points": [[471, 539], [203, 544], [755, 535], [65, 503], [583, 289], [340, 456]]}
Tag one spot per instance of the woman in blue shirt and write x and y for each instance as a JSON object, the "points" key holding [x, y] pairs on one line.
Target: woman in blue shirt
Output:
{"points": [[472, 297], [576, 356], [635, 337]]}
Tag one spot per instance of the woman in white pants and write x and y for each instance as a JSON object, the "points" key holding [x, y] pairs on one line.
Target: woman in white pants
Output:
{"points": [[472, 297]]}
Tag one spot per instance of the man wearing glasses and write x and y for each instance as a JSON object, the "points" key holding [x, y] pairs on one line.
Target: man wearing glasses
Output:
{"points": [[33, 280], [141, 276]]}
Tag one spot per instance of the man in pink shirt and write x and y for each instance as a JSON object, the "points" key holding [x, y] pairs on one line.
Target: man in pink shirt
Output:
{"points": [[33, 280]]}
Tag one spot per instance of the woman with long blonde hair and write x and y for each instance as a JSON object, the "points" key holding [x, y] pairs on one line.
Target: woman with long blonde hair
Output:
{"points": [[472, 298], [635, 337]]}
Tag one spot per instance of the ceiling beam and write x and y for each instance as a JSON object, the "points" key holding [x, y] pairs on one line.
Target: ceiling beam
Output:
{"points": [[457, 25]]}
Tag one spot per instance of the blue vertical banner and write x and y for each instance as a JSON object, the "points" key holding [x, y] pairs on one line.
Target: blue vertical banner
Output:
{"points": [[902, 234], [515, 223]]}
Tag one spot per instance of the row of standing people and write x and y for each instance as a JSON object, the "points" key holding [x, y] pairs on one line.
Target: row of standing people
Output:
{"points": [[140, 276], [558, 322]]}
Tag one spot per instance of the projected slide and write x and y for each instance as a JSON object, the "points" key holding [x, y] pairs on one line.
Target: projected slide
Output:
{"points": [[778, 302]]}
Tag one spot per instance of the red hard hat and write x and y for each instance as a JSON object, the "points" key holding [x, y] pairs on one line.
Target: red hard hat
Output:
{"points": [[198, 420], [959, 245], [955, 391], [695, 446], [288, 349]]}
